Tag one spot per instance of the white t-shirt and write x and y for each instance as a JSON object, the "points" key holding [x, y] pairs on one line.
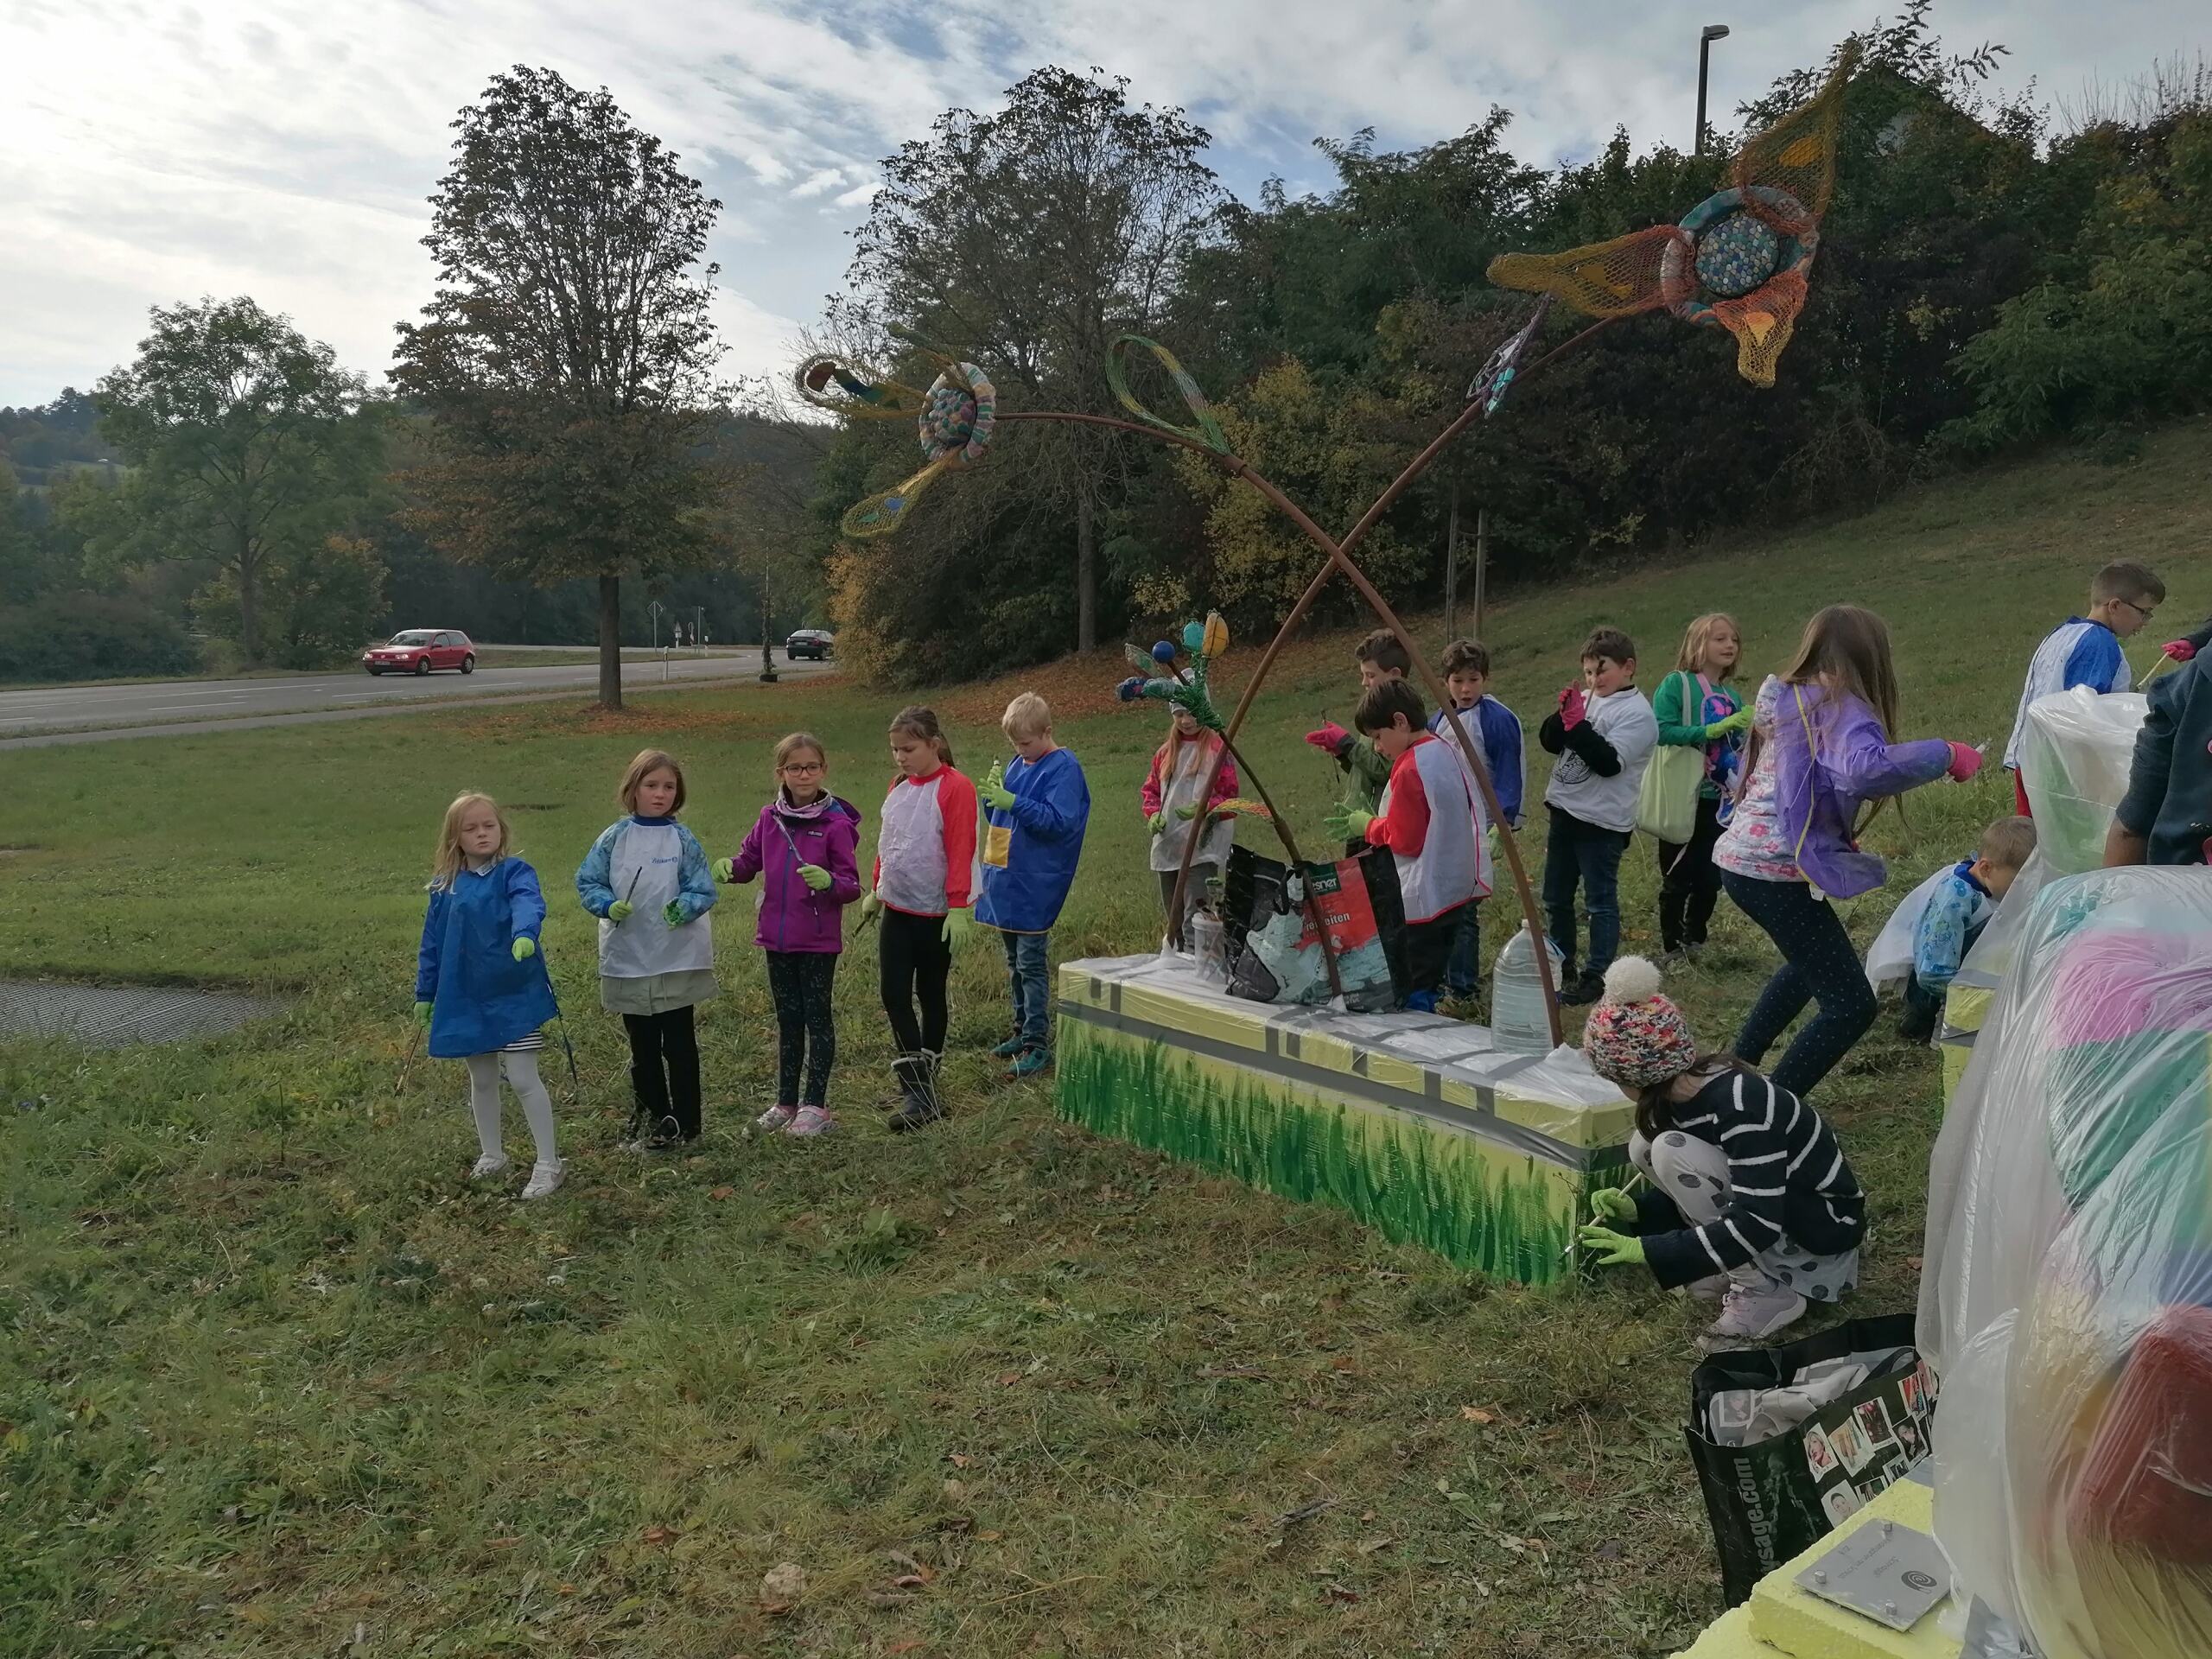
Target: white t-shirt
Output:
{"points": [[1625, 721]]}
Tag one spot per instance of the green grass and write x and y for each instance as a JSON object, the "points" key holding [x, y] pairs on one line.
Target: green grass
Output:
{"points": [[270, 1375]]}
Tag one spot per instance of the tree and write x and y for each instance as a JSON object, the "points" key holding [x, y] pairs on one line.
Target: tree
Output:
{"points": [[565, 360], [243, 435], [1026, 240]]}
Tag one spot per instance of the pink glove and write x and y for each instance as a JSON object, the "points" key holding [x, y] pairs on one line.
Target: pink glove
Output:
{"points": [[2180, 650], [1965, 762], [1330, 739], [1573, 706]]}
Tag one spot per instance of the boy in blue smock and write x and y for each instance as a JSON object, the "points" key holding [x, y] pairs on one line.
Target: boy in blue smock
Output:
{"points": [[1035, 814]]}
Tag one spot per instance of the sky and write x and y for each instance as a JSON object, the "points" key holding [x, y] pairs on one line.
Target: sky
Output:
{"points": [[163, 149]]}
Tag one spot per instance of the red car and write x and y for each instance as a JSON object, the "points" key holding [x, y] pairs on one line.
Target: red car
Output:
{"points": [[418, 650]]}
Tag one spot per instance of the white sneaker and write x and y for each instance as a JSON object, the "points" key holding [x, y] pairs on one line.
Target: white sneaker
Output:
{"points": [[810, 1121], [1753, 1312], [774, 1118], [544, 1178], [492, 1163]]}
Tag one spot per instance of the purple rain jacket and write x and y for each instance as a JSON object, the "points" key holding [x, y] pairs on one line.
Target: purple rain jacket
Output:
{"points": [[826, 833], [1830, 759]]}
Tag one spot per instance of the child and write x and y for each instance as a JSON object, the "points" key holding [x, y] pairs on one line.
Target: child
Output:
{"points": [[1821, 752], [1603, 732], [1695, 708], [647, 881], [1033, 819], [478, 991], [924, 878], [1750, 1197], [805, 842], [2085, 650], [1496, 729], [1431, 822], [1180, 768], [1380, 658], [1946, 914]]}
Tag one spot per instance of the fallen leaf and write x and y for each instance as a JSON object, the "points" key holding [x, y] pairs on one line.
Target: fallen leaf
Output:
{"points": [[1914, 1262], [501, 1543], [1344, 1363], [1609, 1551], [884, 1599], [1374, 1544], [1334, 1591], [955, 1491], [660, 1534], [564, 1590], [921, 1571], [1007, 1379], [990, 1537], [1476, 1414], [909, 1581], [959, 1459], [723, 1192], [912, 1644]]}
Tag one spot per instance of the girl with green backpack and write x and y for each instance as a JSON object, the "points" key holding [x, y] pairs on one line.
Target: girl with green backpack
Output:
{"points": [[1686, 791]]}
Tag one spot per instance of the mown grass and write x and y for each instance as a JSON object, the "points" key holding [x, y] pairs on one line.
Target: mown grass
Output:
{"points": [[275, 1382]]}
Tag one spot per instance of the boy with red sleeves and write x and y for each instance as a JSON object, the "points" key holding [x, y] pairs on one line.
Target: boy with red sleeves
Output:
{"points": [[1432, 822]]}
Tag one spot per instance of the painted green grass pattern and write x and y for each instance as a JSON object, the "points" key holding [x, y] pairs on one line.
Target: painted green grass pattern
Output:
{"points": [[1494, 1211]]}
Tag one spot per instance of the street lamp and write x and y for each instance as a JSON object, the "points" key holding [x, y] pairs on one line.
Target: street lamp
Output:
{"points": [[1713, 32]]}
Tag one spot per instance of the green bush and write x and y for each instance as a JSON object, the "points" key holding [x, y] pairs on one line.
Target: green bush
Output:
{"points": [[81, 636]]}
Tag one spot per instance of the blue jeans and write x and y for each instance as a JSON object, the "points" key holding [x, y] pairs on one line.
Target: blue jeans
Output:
{"points": [[1463, 969], [1026, 984], [1819, 964], [1582, 854]]}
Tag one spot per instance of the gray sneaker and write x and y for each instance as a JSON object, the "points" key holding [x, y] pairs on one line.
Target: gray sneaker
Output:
{"points": [[1752, 1313]]}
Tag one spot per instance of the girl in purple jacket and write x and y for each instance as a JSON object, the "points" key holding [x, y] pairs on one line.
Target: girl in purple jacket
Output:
{"points": [[805, 844], [1821, 765]]}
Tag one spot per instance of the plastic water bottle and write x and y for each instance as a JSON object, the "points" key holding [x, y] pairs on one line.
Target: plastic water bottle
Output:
{"points": [[1518, 1020]]}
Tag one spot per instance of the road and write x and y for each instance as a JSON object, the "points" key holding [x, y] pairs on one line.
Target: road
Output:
{"points": [[90, 714]]}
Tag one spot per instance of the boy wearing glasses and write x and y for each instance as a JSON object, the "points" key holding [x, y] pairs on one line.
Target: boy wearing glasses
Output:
{"points": [[2085, 650]]}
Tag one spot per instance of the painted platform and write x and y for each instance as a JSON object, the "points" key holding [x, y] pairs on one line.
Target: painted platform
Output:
{"points": [[1415, 1123], [1782, 1621]]}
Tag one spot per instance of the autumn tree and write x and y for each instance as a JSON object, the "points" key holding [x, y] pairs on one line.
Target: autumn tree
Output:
{"points": [[565, 360], [245, 441], [1026, 240]]}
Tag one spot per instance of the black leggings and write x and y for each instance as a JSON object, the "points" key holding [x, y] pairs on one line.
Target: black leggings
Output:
{"points": [[1818, 961], [1690, 882], [915, 963], [806, 1031], [665, 1039]]}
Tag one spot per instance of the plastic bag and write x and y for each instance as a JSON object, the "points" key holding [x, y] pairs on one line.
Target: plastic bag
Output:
{"points": [[2067, 1289]]}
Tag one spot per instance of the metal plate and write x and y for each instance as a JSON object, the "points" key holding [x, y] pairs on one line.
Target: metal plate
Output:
{"points": [[1891, 1573]]}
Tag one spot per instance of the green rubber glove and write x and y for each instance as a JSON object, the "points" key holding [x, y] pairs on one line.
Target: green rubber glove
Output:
{"points": [[1611, 1249], [1348, 823], [959, 927], [1157, 823], [1612, 1203], [814, 876], [422, 1015], [1738, 721], [724, 869], [524, 948], [870, 905], [1186, 813], [672, 913], [994, 792], [619, 911]]}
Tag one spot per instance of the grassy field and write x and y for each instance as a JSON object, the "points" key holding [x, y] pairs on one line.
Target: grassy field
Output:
{"points": [[275, 1382]]}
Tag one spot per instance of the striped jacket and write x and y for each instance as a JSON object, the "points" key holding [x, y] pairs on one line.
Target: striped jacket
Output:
{"points": [[1787, 1175]]}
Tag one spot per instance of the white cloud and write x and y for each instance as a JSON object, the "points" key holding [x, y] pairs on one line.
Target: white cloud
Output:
{"points": [[815, 183], [285, 148]]}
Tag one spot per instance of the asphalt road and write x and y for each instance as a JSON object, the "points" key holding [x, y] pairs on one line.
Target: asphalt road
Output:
{"points": [[94, 714]]}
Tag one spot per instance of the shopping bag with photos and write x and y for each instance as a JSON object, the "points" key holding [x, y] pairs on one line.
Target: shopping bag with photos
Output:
{"points": [[1788, 1441]]}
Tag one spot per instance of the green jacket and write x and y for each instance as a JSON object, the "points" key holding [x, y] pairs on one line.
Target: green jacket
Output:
{"points": [[1682, 722], [1369, 773]]}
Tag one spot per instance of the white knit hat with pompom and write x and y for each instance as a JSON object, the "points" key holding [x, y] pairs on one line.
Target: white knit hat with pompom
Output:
{"points": [[1637, 1036]]}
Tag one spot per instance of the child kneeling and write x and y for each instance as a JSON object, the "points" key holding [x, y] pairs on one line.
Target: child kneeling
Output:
{"points": [[1751, 1198]]}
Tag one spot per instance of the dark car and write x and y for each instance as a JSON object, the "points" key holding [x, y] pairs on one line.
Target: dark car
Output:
{"points": [[817, 643], [418, 650]]}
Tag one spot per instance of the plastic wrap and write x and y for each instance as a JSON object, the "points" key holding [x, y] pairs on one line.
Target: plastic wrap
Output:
{"points": [[2076, 755], [2067, 1296]]}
